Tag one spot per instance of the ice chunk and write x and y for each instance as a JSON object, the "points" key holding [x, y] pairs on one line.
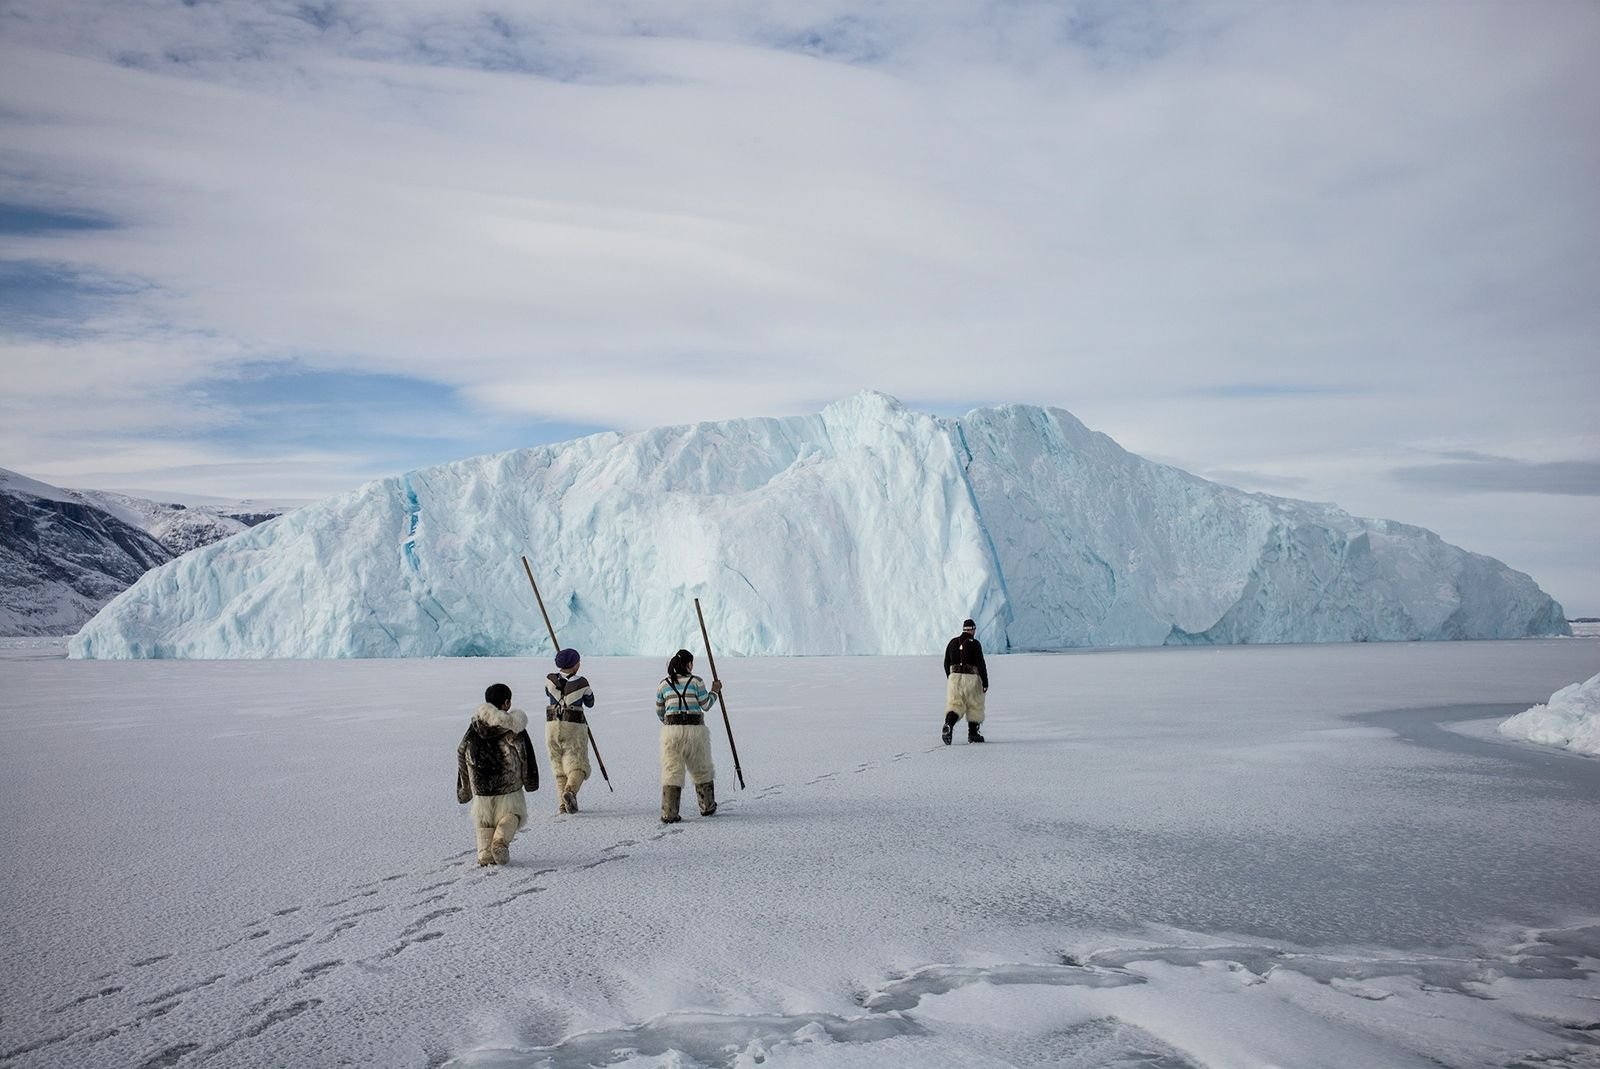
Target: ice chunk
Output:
{"points": [[1570, 719]]}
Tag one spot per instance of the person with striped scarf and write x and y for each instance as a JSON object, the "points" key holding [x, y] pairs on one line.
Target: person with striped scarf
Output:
{"points": [[566, 728]]}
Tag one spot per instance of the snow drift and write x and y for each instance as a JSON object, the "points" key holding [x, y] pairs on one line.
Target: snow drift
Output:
{"points": [[1570, 719], [866, 528]]}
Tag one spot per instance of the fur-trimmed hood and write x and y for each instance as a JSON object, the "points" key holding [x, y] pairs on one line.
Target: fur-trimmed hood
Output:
{"points": [[495, 755], [488, 719]]}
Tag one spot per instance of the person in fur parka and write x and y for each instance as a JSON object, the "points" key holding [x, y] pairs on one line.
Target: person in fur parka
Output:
{"points": [[494, 766]]}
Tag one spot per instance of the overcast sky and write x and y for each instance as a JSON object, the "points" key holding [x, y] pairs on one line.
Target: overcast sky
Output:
{"points": [[1345, 251]]}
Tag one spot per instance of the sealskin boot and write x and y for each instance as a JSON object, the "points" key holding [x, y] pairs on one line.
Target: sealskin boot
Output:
{"points": [[949, 727], [707, 795], [973, 735], [670, 797], [569, 800]]}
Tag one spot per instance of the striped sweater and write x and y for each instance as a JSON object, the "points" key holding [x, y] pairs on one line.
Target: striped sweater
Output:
{"points": [[683, 694], [560, 692]]}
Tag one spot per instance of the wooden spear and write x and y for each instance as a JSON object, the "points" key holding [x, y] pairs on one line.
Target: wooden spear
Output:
{"points": [[713, 662], [601, 760]]}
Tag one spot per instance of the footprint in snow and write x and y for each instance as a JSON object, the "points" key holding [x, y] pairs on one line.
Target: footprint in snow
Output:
{"points": [[90, 997], [285, 945], [171, 1056], [424, 921], [514, 895], [399, 948]]}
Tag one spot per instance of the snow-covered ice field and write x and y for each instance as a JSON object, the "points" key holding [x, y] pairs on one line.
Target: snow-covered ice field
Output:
{"points": [[1220, 857]]}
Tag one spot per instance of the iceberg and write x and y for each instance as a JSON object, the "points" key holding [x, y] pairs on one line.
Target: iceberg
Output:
{"points": [[1570, 719], [866, 528]]}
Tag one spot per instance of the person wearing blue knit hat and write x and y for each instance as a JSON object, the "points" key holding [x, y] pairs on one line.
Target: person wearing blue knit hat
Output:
{"points": [[566, 731]]}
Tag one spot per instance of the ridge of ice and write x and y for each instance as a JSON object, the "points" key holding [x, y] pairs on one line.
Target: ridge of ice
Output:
{"points": [[1570, 719]]}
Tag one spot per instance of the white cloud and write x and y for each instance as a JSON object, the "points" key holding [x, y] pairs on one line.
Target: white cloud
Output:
{"points": [[646, 213]]}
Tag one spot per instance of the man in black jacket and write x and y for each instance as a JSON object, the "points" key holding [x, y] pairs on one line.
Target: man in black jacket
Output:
{"points": [[966, 682]]}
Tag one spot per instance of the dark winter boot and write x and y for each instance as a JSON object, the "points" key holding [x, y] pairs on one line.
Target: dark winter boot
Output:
{"points": [[949, 726], [670, 797], [707, 794], [972, 732]]}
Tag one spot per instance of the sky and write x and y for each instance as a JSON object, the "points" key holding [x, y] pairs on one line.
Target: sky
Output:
{"points": [[1342, 251]]}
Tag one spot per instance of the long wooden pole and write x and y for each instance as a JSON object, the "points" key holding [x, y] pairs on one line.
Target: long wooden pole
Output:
{"points": [[601, 760], [711, 658]]}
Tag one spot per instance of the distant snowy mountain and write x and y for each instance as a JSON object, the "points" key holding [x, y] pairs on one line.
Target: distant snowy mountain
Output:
{"points": [[177, 527], [867, 528], [65, 553], [61, 559]]}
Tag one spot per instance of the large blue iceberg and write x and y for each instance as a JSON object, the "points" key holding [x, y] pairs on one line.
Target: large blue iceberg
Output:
{"points": [[867, 528]]}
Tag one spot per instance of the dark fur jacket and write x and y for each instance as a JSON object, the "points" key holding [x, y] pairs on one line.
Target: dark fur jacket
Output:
{"points": [[495, 755]]}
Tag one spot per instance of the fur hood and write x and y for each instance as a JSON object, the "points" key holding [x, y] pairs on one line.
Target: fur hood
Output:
{"points": [[495, 755], [488, 719]]}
